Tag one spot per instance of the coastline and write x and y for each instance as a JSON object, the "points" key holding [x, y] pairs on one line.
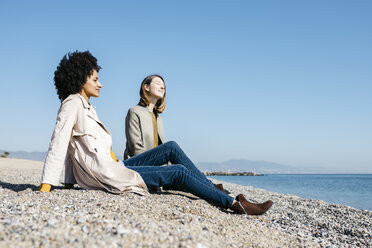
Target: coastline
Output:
{"points": [[92, 218], [222, 173], [353, 190]]}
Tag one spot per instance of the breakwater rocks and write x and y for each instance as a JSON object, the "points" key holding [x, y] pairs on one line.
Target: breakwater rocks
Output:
{"points": [[222, 173], [89, 218]]}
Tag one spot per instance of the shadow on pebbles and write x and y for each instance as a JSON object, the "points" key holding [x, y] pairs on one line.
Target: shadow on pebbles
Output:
{"points": [[89, 218]]}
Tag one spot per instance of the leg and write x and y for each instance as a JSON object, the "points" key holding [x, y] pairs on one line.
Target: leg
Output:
{"points": [[167, 152], [179, 176]]}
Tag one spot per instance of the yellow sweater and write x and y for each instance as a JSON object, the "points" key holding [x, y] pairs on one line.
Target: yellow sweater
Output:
{"points": [[155, 130]]}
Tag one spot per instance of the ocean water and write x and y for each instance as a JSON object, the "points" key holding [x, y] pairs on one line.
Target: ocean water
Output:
{"points": [[353, 190]]}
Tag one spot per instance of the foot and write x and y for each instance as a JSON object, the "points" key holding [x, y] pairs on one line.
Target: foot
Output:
{"points": [[243, 206], [220, 187]]}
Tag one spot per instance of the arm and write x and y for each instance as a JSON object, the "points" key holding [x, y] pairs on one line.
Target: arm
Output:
{"points": [[69, 177], [69, 174], [133, 133], [57, 153]]}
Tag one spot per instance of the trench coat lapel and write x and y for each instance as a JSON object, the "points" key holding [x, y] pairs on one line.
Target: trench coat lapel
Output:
{"points": [[92, 113], [98, 121]]}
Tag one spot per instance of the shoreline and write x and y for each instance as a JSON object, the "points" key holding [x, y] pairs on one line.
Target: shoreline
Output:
{"points": [[222, 173], [348, 190], [79, 217]]}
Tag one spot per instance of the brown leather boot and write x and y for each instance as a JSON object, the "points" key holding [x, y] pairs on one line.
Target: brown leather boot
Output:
{"points": [[220, 187], [243, 206]]}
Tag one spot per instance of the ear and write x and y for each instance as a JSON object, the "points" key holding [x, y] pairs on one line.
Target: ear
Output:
{"points": [[147, 87]]}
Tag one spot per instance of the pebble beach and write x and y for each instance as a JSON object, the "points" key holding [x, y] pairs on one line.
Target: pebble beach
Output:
{"points": [[90, 218]]}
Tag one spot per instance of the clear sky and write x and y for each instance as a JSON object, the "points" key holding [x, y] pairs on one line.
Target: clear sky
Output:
{"points": [[281, 81]]}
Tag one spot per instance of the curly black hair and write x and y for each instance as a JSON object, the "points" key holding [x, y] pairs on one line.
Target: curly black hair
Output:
{"points": [[73, 71]]}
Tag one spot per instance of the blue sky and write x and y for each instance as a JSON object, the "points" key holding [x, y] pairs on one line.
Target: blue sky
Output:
{"points": [[282, 81]]}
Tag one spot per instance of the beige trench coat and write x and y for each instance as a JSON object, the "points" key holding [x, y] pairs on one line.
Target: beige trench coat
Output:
{"points": [[81, 144], [139, 131]]}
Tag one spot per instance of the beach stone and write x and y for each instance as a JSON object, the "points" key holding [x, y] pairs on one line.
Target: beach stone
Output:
{"points": [[81, 220], [89, 218], [52, 221]]}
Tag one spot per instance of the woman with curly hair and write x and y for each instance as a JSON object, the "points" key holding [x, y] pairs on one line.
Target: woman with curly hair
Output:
{"points": [[82, 145]]}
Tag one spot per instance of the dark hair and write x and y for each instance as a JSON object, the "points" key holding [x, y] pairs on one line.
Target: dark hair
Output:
{"points": [[73, 71], [144, 100]]}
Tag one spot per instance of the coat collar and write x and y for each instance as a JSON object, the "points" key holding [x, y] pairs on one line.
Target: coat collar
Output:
{"points": [[147, 108], [91, 111], [86, 104]]}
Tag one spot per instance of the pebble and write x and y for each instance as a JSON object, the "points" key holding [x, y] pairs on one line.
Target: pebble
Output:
{"points": [[81, 220], [52, 221], [90, 218]]}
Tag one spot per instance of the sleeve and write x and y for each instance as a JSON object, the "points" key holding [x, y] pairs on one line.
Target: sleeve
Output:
{"points": [[69, 174], [57, 152], [133, 134]]}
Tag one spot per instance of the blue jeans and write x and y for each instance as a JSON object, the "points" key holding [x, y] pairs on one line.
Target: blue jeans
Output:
{"points": [[182, 174]]}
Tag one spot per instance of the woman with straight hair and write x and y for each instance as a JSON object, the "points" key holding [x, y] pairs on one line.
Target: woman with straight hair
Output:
{"points": [[82, 145], [143, 123]]}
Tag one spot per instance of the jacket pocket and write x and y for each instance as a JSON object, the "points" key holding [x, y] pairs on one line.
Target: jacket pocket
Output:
{"points": [[87, 141]]}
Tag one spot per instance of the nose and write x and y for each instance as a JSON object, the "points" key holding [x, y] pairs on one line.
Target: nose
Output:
{"points": [[99, 84]]}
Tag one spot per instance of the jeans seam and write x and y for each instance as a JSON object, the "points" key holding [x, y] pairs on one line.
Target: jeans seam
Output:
{"points": [[183, 162], [152, 158], [214, 190], [200, 181]]}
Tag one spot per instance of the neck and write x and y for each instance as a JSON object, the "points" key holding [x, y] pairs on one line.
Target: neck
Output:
{"points": [[151, 106], [152, 103], [82, 93]]}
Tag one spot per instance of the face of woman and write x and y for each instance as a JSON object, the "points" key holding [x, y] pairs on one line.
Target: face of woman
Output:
{"points": [[91, 86], [156, 88]]}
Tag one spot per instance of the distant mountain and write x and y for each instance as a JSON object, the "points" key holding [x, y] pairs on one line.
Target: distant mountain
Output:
{"points": [[38, 156], [234, 165], [243, 165]]}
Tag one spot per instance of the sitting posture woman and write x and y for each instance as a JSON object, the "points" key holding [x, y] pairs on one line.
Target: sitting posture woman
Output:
{"points": [[82, 144], [143, 123]]}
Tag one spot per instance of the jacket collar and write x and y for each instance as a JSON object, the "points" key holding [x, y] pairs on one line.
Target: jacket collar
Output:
{"points": [[146, 108], [86, 104], [92, 113]]}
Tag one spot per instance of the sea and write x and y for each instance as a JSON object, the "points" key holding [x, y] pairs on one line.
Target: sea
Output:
{"points": [[353, 190]]}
